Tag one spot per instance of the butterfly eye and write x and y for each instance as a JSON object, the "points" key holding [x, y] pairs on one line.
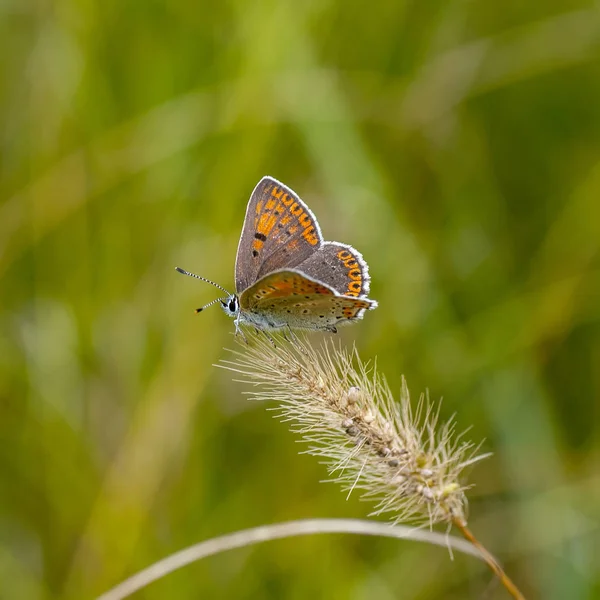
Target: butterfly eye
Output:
{"points": [[232, 305]]}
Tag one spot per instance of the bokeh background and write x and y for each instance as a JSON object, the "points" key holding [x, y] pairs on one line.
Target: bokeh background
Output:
{"points": [[456, 144]]}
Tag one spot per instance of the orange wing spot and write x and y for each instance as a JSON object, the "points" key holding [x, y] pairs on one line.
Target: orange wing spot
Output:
{"points": [[296, 209], [279, 208], [259, 207], [277, 192], [285, 220], [309, 235], [354, 294], [354, 286], [292, 245], [257, 244], [355, 275], [305, 220], [351, 264], [344, 255], [288, 285], [287, 199], [293, 229], [266, 223], [270, 204]]}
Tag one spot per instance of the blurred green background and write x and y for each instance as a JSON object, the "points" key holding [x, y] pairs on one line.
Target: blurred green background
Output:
{"points": [[456, 144]]}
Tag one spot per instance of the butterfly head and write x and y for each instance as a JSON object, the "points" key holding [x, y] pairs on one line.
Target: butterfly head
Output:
{"points": [[230, 305]]}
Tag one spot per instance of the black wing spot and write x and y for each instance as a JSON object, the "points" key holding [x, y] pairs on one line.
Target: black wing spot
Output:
{"points": [[288, 232], [254, 253], [260, 236]]}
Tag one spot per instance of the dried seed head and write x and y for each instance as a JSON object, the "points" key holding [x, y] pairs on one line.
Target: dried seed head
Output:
{"points": [[427, 493], [368, 417], [353, 395], [418, 482]]}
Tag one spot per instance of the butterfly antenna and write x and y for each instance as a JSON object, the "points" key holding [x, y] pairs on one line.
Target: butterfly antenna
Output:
{"points": [[209, 304], [202, 279]]}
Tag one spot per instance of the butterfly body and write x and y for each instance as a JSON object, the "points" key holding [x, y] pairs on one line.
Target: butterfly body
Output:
{"points": [[286, 275]]}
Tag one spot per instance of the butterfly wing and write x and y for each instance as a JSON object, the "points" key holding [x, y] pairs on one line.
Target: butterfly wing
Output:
{"points": [[289, 298], [279, 231], [339, 266]]}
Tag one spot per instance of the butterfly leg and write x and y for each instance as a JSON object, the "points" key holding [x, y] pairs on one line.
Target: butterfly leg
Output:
{"points": [[259, 331], [269, 338], [291, 337], [332, 329], [264, 332], [239, 331], [288, 335]]}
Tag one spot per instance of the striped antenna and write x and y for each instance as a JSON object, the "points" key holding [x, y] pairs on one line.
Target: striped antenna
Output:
{"points": [[209, 304], [202, 279], [184, 272]]}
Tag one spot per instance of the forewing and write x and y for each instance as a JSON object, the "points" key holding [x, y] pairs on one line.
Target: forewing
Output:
{"points": [[340, 267], [279, 231]]}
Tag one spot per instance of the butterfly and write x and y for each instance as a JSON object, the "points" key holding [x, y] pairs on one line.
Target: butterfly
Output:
{"points": [[286, 275]]}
